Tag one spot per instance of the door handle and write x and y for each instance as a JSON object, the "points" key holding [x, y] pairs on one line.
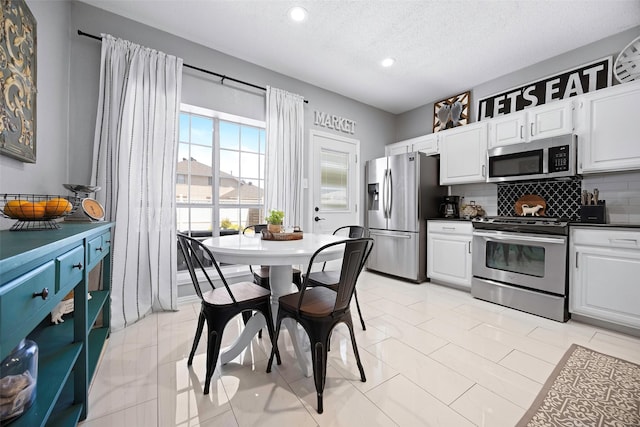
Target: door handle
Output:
{"points": [[316, 219]]}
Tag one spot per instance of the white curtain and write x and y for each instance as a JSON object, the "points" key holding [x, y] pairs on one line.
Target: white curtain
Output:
{"points": [[134, 161], [285, 136]]}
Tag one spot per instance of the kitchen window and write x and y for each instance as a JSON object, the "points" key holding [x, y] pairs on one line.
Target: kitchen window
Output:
{"points": [[220, 173]]}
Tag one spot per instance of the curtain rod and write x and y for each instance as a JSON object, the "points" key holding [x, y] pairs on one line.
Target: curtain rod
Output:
{"points": [[202, 70]]}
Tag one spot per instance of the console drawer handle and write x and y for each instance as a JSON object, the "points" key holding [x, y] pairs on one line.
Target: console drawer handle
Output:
{"points": [[44, 294], [78, 266]]}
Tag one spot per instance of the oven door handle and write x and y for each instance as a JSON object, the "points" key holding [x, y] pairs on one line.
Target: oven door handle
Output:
{"points": [[519, 237]]}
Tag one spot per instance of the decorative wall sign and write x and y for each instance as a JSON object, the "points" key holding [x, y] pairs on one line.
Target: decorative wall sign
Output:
{"points": [[451, 112], [334, 122], [18, 82], [586, 78]]}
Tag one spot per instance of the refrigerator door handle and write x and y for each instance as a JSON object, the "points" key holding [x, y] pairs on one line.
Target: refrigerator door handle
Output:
{"points": [[385, 193], [390, 202]]}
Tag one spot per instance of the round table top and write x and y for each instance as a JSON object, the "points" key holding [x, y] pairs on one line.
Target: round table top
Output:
{"points": [[251, 249]]}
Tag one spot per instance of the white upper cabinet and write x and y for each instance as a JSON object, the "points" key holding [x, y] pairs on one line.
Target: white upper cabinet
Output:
{"points": [[427, 144], [397, 148], [544, 121], [463, 154], [608, 129]]}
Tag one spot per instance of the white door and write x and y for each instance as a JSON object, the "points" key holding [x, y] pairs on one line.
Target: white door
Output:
{"points": [[334, 181]]}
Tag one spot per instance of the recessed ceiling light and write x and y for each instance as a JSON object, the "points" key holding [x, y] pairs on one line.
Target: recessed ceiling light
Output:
{"points": [[298, 13], [388, 62]]}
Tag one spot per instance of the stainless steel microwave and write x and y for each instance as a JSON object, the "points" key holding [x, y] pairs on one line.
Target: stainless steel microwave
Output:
{"points": [[545, 158]]}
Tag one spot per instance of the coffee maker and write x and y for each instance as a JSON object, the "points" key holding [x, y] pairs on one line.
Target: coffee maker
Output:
{"points": [[449, 208]]}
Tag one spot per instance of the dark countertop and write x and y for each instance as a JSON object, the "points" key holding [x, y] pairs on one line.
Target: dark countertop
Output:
{"points": [[609, 225], [447, 219], [571, 224]]}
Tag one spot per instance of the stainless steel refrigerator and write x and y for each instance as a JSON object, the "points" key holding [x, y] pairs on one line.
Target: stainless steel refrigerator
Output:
{"points": [[402, 191]]}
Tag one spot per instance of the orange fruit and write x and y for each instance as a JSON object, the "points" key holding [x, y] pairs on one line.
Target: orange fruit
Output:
{"points": [[31, 210], [12, 208], [57, 206]]}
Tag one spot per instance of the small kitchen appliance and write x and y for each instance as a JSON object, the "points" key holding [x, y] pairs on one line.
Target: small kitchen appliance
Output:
{"points": [[449, 207]]}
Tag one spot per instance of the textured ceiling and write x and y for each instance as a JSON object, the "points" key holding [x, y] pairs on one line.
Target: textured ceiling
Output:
{"points": [[441, 47]]}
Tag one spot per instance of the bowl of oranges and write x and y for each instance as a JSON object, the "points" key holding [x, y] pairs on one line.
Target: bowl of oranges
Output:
{"points": [[33, 211]]}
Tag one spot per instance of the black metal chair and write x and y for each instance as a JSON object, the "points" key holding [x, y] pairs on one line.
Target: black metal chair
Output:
{"points": [[318, 309], [219, 305], [330, 278]]}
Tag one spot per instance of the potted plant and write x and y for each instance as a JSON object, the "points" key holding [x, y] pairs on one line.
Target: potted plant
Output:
{"points": [[274, 221]]}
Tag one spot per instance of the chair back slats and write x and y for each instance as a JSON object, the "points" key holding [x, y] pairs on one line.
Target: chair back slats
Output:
{"points": [[354, 257], [190, 248], [257, 228], [353, 231]]}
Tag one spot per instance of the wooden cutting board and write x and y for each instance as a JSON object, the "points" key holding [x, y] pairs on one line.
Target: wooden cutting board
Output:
{"points": [[530, 202]]}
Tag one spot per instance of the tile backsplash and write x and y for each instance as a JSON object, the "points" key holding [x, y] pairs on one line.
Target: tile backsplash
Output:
{"points": [[621, 190], [562, 197], [622, 193]]}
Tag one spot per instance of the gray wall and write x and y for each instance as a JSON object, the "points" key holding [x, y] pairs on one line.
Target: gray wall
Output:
{"points": [[419, 121], [68, 78], [374, 128], [50, 171]]}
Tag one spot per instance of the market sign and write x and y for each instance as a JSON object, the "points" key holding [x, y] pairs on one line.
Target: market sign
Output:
{"points": [[334, 122], [586, 78]]}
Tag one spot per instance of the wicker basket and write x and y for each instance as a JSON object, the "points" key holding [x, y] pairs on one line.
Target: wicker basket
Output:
{"points": [[267, 235]]}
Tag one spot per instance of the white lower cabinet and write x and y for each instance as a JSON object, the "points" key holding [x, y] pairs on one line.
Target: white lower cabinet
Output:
{"points": [[605, 275], [449, 252]]}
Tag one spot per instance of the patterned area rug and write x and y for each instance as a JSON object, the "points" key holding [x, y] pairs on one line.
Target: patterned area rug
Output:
{"points": [[588, 389]]}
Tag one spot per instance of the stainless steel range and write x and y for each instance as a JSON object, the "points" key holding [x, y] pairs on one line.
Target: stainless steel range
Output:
{"points": [[521, 262]]}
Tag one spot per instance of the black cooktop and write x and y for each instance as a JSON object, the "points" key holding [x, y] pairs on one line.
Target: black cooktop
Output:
{"points": [[524, 224]]}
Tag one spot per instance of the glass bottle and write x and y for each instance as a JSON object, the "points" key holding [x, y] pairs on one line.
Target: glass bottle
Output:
{"points": [[18, 377]]}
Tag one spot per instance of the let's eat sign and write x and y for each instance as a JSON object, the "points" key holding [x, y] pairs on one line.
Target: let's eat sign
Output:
{"points": [[586, 78]]}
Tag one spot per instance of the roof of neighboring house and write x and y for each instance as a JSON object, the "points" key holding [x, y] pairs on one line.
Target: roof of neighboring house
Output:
{"points": [[246, 189]]}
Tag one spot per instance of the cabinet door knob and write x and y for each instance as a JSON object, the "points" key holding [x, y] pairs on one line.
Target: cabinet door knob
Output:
{"points": [[99, 249], [44, 294], [78, 266]]}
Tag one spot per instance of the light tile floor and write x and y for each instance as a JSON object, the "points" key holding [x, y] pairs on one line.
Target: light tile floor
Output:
{"points": [[433, 356]]}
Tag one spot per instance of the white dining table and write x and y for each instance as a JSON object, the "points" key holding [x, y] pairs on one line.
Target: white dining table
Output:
{"points": [[280, 256]]}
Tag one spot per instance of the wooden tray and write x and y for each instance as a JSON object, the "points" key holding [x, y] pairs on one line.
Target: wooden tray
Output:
{"points": [[267, 235], [531, 201]]}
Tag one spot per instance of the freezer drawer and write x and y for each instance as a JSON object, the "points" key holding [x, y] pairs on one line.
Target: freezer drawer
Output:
{"points": [[399, 253]]}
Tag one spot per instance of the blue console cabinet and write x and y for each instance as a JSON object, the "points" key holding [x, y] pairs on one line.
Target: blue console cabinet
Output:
{"points": [[53, 263]]}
